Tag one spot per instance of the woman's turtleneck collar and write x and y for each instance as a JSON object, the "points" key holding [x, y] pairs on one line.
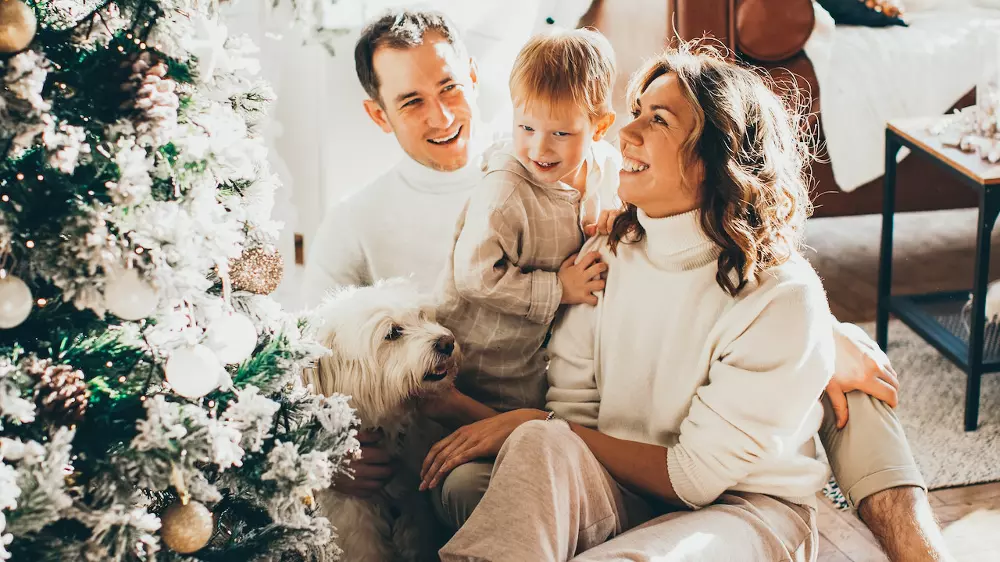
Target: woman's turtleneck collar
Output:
{"points": [[677, 242]]}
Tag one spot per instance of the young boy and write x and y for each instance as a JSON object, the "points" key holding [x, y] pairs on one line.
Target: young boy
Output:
{"points": [[513, 262]]}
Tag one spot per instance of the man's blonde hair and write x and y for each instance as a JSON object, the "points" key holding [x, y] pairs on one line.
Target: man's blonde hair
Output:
{"points": [[575, 66]]}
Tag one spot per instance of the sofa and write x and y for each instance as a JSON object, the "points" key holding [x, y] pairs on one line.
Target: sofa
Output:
{"points": [[772, 34]]}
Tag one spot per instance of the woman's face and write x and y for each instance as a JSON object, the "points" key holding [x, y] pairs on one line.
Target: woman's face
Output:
{"points": [[653, 170]]}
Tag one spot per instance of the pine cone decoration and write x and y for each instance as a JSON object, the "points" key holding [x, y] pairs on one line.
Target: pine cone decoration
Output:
{"points": [[153, 98], [61, 394]]}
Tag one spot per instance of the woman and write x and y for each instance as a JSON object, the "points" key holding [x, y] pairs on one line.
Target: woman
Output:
{"points": [[686, 402]]}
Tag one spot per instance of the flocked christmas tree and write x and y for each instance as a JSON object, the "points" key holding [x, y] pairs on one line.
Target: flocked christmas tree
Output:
{"points": [[150, 397]]}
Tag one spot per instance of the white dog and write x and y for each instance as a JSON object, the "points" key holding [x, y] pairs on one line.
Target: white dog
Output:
{"points": [[387, 351]]}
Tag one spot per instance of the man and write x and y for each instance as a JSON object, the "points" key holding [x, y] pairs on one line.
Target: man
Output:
{"points": [[404, 222], [421, 84]]}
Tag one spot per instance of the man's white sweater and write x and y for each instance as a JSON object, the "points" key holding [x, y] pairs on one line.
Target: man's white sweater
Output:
{"points": [[729, 386], [401, 225]]}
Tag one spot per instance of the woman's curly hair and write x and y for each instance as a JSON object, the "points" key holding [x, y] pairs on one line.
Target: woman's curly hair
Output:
{"points": [[753, 148]]}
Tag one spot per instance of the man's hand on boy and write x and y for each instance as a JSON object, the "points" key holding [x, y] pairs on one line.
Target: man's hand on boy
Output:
{"points": [[603, 224], [580, 280]]}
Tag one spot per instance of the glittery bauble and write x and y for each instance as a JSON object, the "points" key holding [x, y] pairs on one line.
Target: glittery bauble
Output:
{"points": [[186, 528], [17, 26], [15, 300], [257, 271]]}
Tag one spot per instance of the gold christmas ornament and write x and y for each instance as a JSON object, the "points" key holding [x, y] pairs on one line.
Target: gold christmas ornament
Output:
{"points": [[17, 26], [257, 270], [186, 528]]}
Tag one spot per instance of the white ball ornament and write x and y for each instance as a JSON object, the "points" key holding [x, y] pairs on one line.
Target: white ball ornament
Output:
{"points": [[232, 337], [129, 297], [15, 301], [193, 371]]}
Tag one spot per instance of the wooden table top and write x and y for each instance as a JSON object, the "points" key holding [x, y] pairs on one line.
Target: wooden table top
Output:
{"points": [[970, 164]]}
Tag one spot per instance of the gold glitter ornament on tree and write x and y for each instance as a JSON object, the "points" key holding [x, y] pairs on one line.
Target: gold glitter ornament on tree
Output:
{"points": [[61, 394], [17, 26], [257, 271], [186, 528]]}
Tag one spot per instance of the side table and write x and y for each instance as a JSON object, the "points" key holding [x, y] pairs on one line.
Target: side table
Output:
{"points": [[938, 317]]}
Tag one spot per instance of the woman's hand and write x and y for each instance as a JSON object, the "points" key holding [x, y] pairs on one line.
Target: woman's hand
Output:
{"points": [[482, 439], [860, 365]]}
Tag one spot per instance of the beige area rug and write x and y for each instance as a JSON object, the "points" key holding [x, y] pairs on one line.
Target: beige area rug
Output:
{"points": [[932, 410]]}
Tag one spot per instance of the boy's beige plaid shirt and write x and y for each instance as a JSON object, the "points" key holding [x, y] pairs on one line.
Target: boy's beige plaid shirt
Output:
{"points": [[499, 292]]}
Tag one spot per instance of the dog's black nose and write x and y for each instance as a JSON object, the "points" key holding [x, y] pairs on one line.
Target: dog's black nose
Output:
{"points": [[445, 345]]}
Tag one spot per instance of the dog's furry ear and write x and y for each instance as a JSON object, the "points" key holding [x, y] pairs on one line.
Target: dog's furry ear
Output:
{"points": [[322, 375], [312, 379]]}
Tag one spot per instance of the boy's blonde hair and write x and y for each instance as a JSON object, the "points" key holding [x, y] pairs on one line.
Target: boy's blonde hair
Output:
{"points": [[575, 66]]}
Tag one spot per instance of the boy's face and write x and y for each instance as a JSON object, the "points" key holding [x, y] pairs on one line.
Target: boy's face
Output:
{"points": [[427, 100], [553, 140]]}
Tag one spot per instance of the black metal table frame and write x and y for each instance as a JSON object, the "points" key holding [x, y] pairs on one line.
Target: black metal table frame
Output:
{"points": [[968, 357]]}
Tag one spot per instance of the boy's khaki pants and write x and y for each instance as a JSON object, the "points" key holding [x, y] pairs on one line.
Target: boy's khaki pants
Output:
{"points": [[869, 455]]}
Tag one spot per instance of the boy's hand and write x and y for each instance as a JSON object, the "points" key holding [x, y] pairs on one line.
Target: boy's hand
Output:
{"points": [[603, 224], [581, 280]]}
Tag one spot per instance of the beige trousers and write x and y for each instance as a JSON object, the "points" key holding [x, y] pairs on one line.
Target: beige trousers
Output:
{"points": [[551, 500], [869, 455]]}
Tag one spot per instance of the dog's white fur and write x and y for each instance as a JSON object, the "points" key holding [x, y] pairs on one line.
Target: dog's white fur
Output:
{"points": [[387, 351]]}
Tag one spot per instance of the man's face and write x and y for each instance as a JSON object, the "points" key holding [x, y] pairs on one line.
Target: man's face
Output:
{"points": [[427, 100]]}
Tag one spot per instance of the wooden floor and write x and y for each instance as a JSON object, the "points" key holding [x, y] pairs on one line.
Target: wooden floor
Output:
{"points": [[933, 252]]}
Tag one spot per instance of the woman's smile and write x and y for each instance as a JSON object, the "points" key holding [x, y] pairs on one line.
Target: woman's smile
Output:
{"points": [[633, 166]]}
